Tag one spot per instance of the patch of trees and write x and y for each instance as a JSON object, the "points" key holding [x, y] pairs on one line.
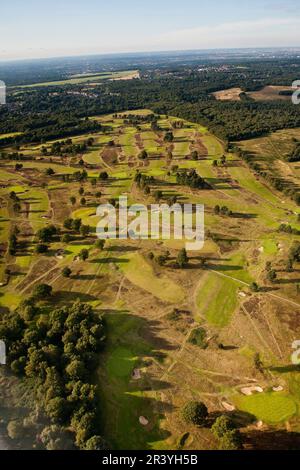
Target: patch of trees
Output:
{"points": [[295, 154], [59, 352], [191, 179], [67, 147]]}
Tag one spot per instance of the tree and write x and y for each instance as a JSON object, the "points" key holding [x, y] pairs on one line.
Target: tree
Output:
{"points": [[15, 429], [85, 230], [195, 155], [17, 207], [66, 238], [103, 176], [81, 191], [290, 265], [83, 201], [223, 160], [217, 210], [57, 409], [254, 287], [73, 200], [272, 275], [222, 425], [182, 258], [76, 370], [66, 272], [157, 195], [84, 254], [56, 438], [295, 252], [47, 233], [195, 413], [231, 440], [143, 155], [68, 224], [169, 137], [96, 443], [50, 172], [100, 244], [42, 291], [41, 248]]}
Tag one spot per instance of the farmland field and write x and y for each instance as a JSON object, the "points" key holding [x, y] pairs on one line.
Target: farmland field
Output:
{"points": [[151, 304]]}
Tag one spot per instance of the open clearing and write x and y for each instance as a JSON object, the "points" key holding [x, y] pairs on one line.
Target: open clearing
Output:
{"points": [[233, 94]]}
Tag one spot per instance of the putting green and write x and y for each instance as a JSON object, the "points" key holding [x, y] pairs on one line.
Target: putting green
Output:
{"points": [[271, 408]]}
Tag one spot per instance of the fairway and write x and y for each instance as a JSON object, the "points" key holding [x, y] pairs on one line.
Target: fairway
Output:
{"points": [[140, 273]]}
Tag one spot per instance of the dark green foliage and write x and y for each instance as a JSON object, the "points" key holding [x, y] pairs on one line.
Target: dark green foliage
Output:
{"points": [[191, 179], [66, 272], [41, 248], [222, 425], [195, 413], [42, 291], [182, 258], [231, 440], [198, 337], [60, 352]]}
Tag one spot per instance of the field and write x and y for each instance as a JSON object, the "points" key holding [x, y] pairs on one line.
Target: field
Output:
{"points": [[88, 79], [233, 94], [149, 368], [270, 93]]}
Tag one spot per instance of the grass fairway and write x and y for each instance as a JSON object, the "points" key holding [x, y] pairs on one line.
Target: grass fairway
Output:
{"points": [[125, 399], [271, 408], [120, 363], [141, 273], [217, 299]]}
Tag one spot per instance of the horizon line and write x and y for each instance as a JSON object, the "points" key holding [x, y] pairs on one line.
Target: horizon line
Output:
{"points": [[153, 52]]}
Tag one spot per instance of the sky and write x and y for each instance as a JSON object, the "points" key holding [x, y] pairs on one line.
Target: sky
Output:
{"points": [[53, 28]]}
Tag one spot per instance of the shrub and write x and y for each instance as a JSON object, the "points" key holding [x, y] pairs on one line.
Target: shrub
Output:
{"points": [[195, 413]]}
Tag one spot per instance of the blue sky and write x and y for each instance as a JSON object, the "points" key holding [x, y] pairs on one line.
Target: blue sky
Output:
{"points": [[44, 28]]}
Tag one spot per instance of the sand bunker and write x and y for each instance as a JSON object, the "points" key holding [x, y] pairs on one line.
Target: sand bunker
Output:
{"points": [[143, 421], [250, 390], [227, 406], [136, 375]]}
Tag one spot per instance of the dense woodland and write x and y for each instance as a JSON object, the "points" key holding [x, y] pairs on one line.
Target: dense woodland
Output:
{"points": [[63, 111]]}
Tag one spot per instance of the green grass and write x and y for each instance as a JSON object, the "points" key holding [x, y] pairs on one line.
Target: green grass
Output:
{"points": [[120, 363], [123, 400], [140, 272], [271, 408], [217, 299], [270, 247], [76, 80], [11, 134]]}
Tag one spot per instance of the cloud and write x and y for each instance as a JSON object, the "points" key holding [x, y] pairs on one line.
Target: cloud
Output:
{"points": [[268, 32]]}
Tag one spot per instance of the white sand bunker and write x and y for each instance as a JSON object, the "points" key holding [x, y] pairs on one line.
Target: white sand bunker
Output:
{"points": [[259, 424], [250, 390], [136, 375], [143, 421], [227, 406], [242, 294], [278, 389]]}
